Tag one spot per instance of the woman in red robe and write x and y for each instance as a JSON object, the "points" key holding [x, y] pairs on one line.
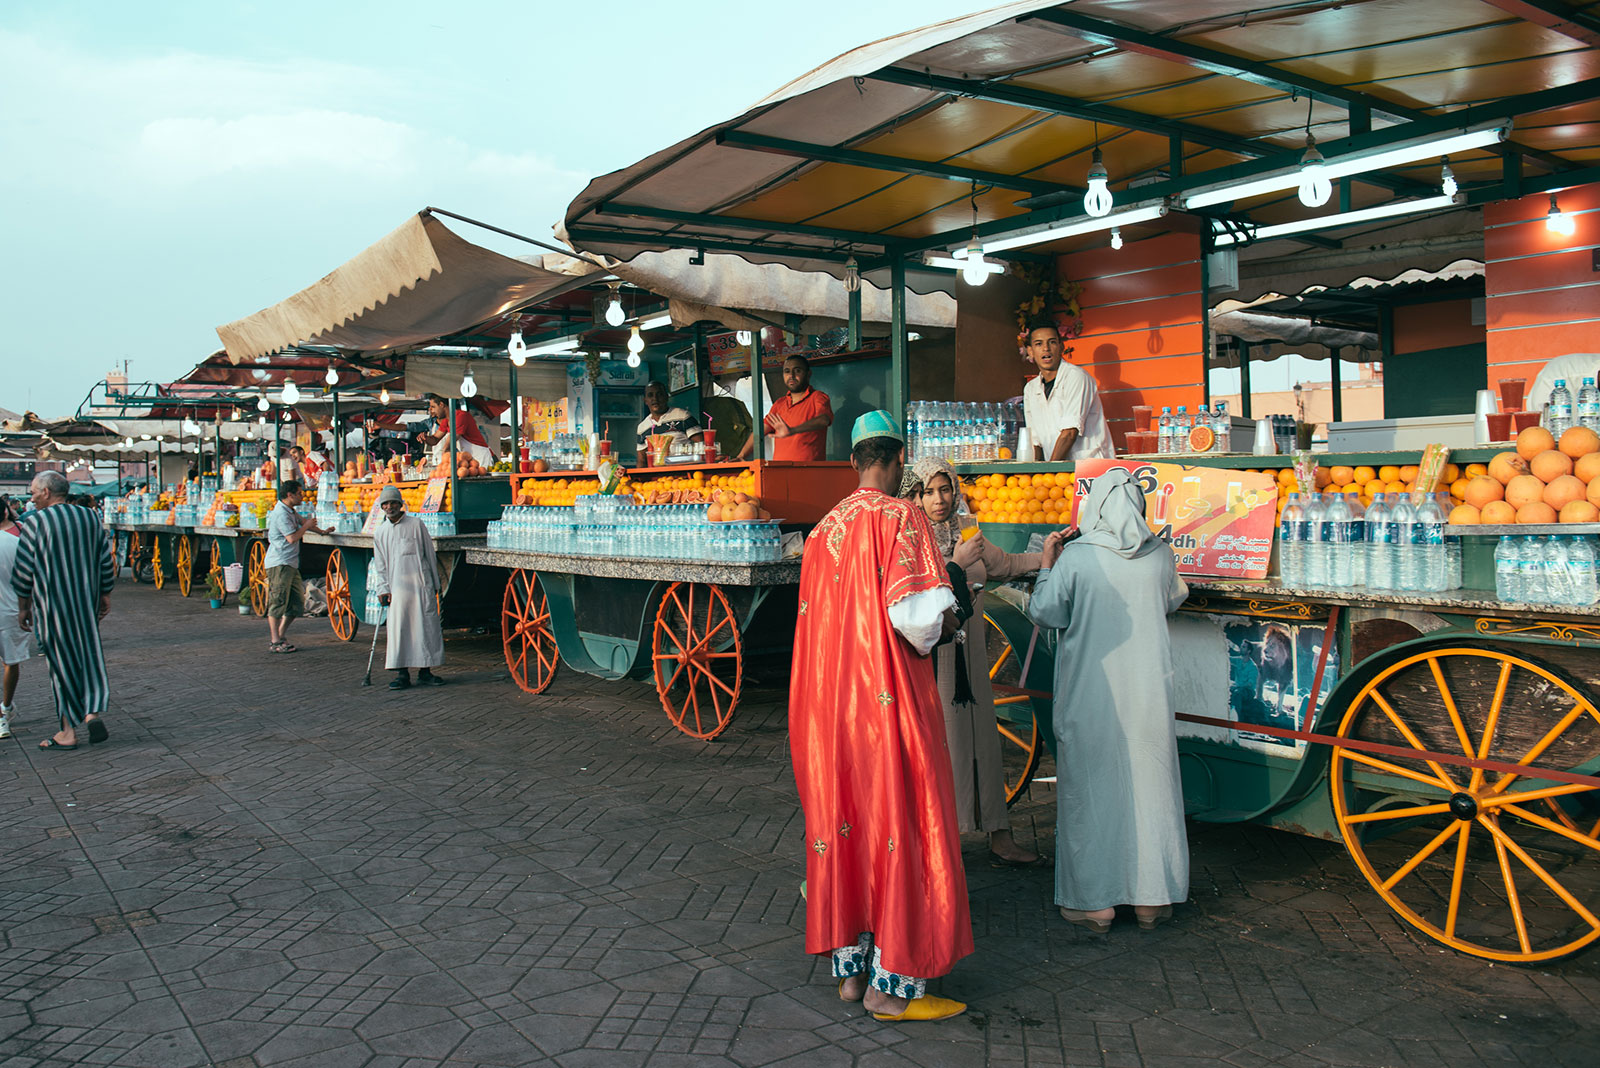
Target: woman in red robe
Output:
{"points": [[886, 890]]}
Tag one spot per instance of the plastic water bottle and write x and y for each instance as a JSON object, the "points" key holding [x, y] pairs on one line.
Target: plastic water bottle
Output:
{"points": [[1452, 545], [1222, 426], [1554, 569], [1292, 543], [1380, 544], [1430, 539], [1164, 427], [1507, 578], [1180, 429], [1203, 417], [1336, 547], [1407, 557], [1316, 554], [1581, 563], [1589, 405], [1357, 547], [1558, 417], [1530, 566]]}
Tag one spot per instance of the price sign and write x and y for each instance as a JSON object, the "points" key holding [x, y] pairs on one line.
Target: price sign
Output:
{"points": [[433, 498]]}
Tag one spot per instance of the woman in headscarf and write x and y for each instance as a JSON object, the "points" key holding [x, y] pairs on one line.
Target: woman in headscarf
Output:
{"points": [[1119, 828], [962, 665]]}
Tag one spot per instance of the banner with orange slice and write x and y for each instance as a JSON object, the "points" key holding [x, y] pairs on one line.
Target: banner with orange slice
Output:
{"points": [[1219, 522]]}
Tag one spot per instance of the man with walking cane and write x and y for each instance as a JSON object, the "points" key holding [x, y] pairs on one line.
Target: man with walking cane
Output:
{"points": [[405, 576]]}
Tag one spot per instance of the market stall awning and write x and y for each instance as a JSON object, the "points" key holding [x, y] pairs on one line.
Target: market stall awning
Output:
{"points": [[986, 126], [420, 283]]}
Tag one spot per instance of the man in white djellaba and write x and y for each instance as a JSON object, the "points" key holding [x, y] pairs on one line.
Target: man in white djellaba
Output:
{"points": [[405, 576]]}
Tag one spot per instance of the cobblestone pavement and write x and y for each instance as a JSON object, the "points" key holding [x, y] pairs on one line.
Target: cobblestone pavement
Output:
{"points": [[269, 865]]}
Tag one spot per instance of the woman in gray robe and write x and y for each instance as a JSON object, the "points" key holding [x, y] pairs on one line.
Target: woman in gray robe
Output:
{"points": [[1119, 829], [970, 727]]}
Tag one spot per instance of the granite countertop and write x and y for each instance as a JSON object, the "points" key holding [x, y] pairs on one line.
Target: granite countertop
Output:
{"points": [[784, 572], [452, 543], [226, 532], [156, 528], [1466, 601]]}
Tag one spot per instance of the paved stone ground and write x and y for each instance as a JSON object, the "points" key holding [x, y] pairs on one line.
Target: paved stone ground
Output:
{"points": [[269, 865]]}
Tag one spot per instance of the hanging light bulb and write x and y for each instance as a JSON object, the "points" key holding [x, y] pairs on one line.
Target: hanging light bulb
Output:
{"points": [[1116, 237], [383, 395], [517, 348], [291, 392], [974, 268], [1315, 189], [742, 337], [233, 416], [469, 388], [332, 376], [635, 342], [261, 420], [1558, 221], [261, 403], [615, 316], [634, 359], [1447, 177], [1097, 201], [852, 275]]}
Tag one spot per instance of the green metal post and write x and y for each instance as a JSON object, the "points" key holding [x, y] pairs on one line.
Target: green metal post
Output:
{"points": [[1244, 379], [1338, 391], [516, 416], [338, 437], [899, 368], [451, 431], [757, 388], [855, 320]]}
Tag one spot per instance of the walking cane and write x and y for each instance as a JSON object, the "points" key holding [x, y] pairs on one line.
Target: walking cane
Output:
{"points": [[382, 612]]}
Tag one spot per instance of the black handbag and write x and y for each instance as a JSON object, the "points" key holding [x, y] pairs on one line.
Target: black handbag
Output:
{"points": [[961, 692]]}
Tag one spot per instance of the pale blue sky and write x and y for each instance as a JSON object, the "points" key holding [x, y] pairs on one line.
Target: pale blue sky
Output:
{"points": [[172, 164]]}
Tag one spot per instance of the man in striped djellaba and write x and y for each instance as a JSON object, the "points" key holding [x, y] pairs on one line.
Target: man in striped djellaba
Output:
{"points": [[63, 577]]}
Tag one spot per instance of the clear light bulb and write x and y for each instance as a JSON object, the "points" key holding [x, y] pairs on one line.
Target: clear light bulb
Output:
{"points": [[1315, 188], [1558, 221], [975, 271], [852, 275], [742, 337], [332, 377], [291, 392], [635, 341], [634, 359], [1116, 237], [469, 388], [1097, 201], [261, 404], [614, 313], [517, 348], [1447, 178], [383, 395]]}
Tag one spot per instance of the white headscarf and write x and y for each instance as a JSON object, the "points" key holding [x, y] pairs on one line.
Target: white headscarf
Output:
{"points": [[915, 479], [1113, 516]]}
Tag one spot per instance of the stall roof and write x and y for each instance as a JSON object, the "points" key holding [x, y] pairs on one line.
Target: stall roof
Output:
{"points": [[892, 149]]}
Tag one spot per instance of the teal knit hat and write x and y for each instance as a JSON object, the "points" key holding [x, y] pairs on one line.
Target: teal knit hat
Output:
{"points": [[878, 424]]}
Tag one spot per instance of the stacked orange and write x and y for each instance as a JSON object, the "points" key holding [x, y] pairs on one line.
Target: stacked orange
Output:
{"points": [[1367, 482], [1543, 481], [555, 492], [1044, 498]]}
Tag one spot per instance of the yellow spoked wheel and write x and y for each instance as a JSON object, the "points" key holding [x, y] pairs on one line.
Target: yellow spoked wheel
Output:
{"points": [[135, 552], [256, 574], [214, 569], [1475, 858], [1015, 715], [185, 564], [157, 575]]}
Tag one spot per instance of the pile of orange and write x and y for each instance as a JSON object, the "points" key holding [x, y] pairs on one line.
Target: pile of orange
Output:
{"points": [[555, 492], [1367, 482], [1543, 481], [1044, 498], [729, 506]]}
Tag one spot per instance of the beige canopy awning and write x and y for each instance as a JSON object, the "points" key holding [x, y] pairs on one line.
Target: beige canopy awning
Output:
{"points": [[420, 283]]}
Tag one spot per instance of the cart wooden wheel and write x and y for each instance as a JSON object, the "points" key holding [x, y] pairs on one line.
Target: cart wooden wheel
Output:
{"points": [[1470, 857], [157, 576], [214, 570], [135, 550], [530, 644], [257, 571], [699, 659], [185, 564], [116, 556], [1015, 716], [341, 610]]}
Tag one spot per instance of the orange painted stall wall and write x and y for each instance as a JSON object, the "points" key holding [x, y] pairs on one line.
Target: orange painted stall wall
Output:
{"points": [[1142, 340], [1441, 325], [1543, 291]]}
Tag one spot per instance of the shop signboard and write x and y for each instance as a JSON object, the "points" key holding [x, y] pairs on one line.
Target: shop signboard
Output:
{"points": [[433, 496], [1218, 522]]}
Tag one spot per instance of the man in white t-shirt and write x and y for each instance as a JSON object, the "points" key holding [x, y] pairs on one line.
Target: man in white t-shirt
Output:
{"points": [[1062, 406]]}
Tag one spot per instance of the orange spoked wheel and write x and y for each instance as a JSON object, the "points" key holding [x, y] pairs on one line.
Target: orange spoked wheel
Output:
{"points": [[157, 575], [1475, 858], [699, 659], [341, 611], [530, 645], [185, 564], [257, 576], [116, 556], [1015, 716]]}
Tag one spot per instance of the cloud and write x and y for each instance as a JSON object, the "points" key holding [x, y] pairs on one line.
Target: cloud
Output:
{"points": [[194, 149]]}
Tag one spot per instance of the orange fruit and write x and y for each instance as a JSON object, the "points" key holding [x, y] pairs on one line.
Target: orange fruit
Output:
{"points": [[1202, 439], [1389, 472], [1550, 465], [1342, 475], [1579, 441], [1285, 476], [1483, 489], [1394, 487], [1536, 512], [1005, 453], [1052, 517], [1323, 478], [1408, 473], [1498, 512], [1349, 487], [1564, 490], [1458, 489], [1451, 473], [1374, 486], [1534, 440], [1474, 470], [1025, 481], [1579, 512], [1587, 467], [1465, 515], [1365, 475], [1507, 465]]}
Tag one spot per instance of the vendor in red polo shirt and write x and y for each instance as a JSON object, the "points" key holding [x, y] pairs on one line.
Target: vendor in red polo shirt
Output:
{"points": [[799, 420]]}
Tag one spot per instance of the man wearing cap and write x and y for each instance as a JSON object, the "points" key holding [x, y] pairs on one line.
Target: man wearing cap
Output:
{"points": [[886, 894], [405, 576]]}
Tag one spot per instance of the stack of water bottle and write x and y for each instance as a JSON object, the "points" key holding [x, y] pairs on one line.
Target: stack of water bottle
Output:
{"points": [[328, 499], [1559, 569], [563, 452], [1327, 540], [603, 525], [1559, 416], [1174, 427], [439, 524], [961, 432], [372, 611]]}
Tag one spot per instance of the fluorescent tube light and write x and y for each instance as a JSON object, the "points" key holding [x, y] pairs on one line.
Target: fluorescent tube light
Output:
{"points": [[1039, 235], [951, 263], [655, 321], [555, 347], [1324, 222], [1345, 166]]}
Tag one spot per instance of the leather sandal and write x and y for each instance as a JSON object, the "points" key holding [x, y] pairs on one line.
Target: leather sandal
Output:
{"points": [[1150, 920], [925, 1008], [1086, 921]]}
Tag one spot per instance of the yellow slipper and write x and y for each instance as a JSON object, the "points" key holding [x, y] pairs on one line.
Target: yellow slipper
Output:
{"points": [[925, 1008]]}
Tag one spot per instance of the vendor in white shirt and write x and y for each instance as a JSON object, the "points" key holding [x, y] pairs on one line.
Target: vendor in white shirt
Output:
{"points": [[1062, 406]]}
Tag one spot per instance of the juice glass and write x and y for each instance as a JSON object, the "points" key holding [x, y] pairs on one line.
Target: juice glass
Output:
{"points": [[1512, 393]]}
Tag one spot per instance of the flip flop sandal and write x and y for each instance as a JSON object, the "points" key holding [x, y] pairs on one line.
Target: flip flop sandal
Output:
{"points": [[97, 731], [51, 743], [284, 647]]}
